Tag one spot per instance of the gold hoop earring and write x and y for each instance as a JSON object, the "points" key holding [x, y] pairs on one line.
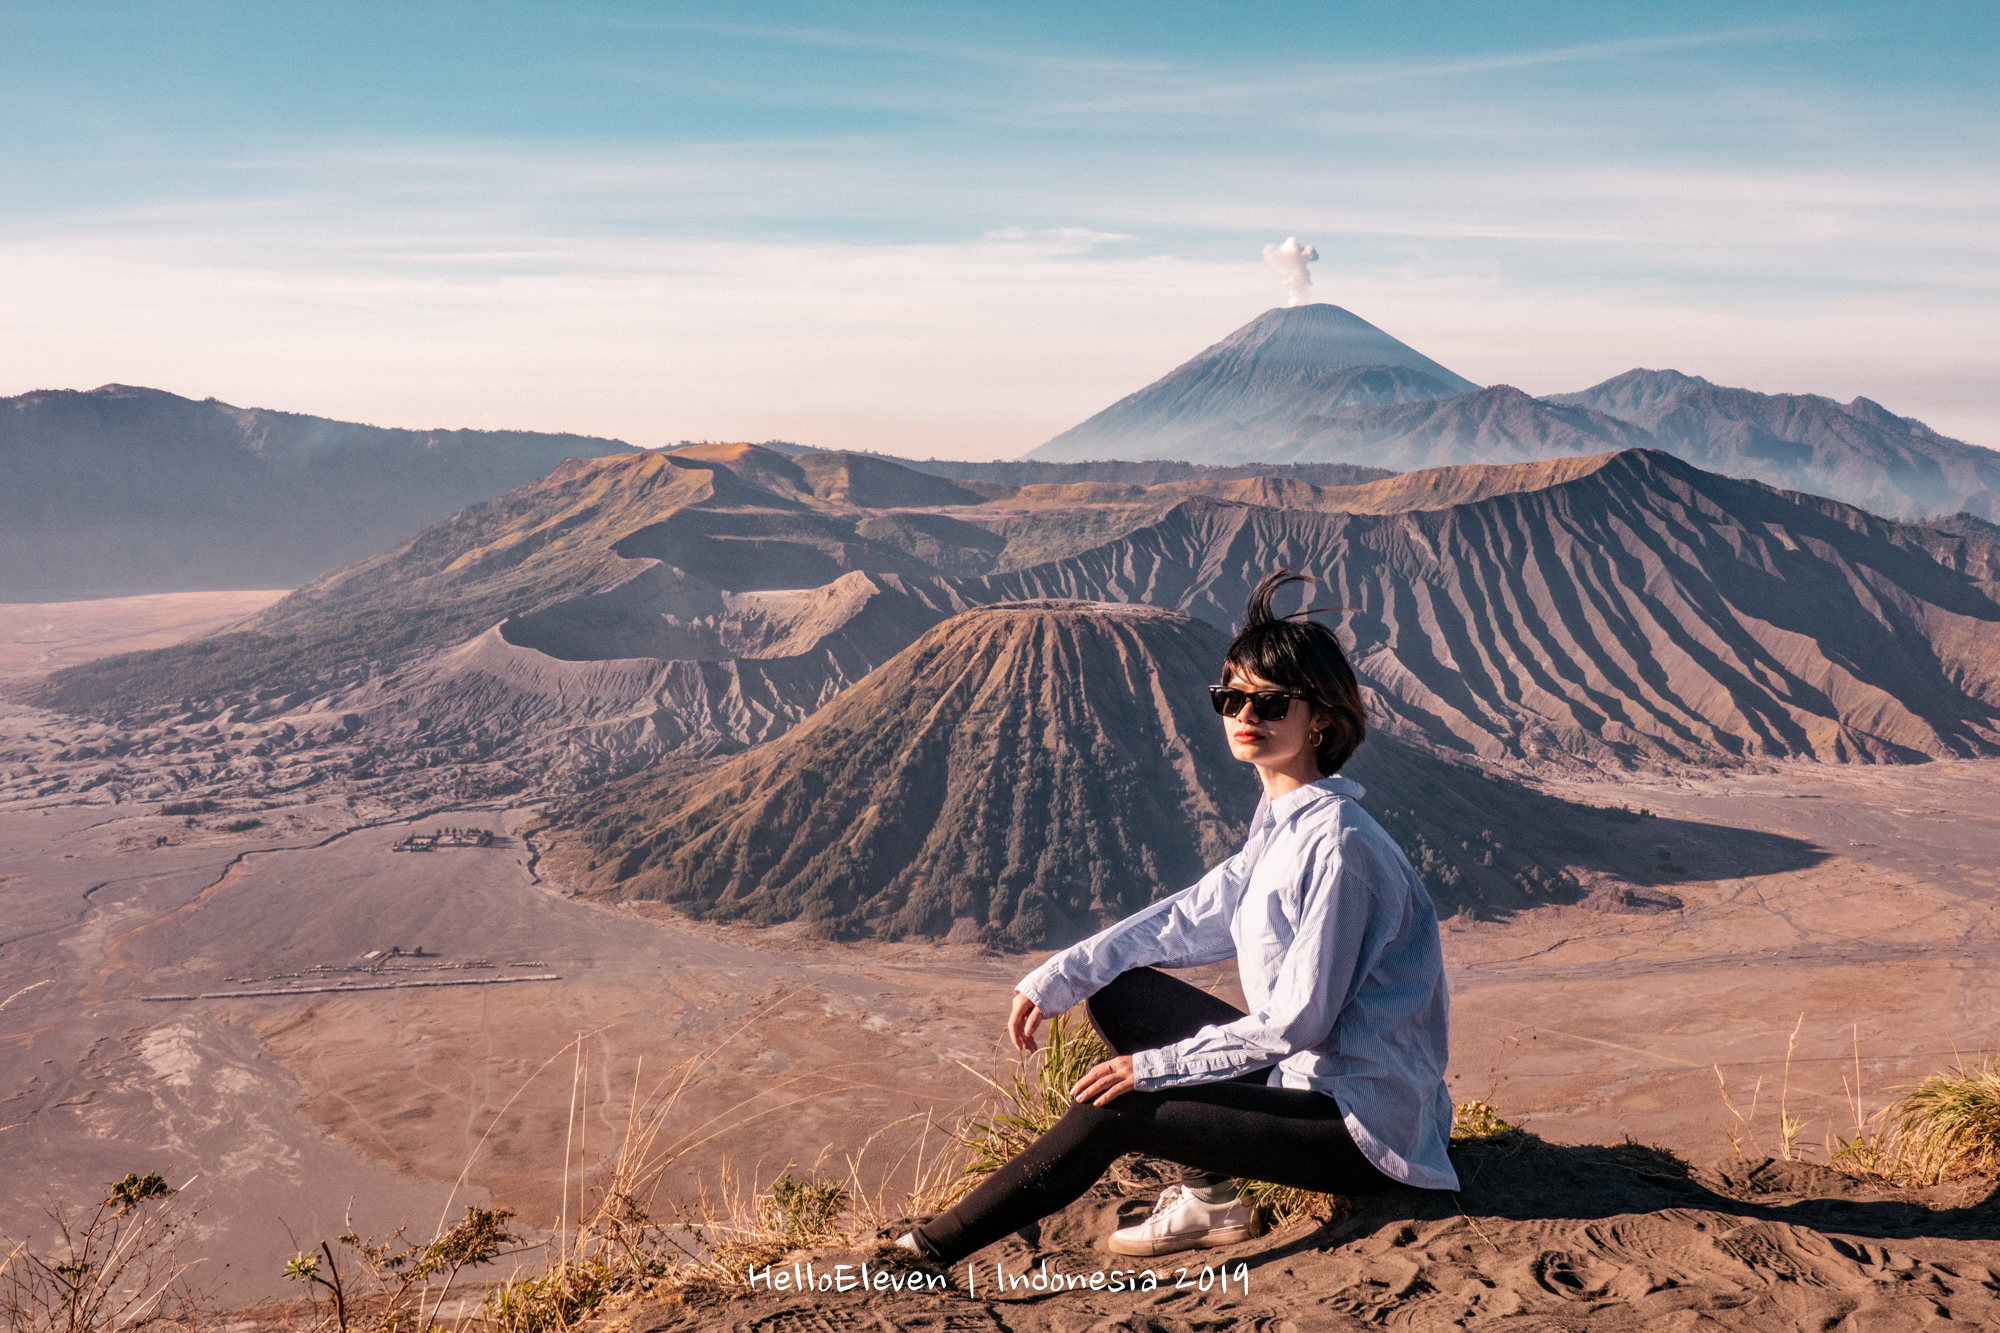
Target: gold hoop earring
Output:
{"points": [[1314, 740]]}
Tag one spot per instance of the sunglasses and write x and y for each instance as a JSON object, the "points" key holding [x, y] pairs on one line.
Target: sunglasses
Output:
{"points": [[1271, 705]]}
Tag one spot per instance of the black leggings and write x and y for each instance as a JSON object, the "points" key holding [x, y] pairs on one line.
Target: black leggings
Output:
{"points": [[1241, 1127]]}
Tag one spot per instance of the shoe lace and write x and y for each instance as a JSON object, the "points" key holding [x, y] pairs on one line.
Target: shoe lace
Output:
{"points": [[1169, 1196]]}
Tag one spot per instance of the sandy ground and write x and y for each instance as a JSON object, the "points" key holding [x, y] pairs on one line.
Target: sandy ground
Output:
{"points": [[291, 1109], [1588, 1024], [1583, 1025], [39, 637], [1542, 1237]]}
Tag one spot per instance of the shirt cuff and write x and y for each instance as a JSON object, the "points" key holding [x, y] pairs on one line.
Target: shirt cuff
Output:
{"points": [[1150, 1069], [1052, 992]]}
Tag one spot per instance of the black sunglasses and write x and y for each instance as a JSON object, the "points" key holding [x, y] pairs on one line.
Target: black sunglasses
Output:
{"points": [[1271, 705]]}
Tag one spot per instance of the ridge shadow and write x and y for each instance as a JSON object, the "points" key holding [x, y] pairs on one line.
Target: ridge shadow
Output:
{"points": [[1491, 847]]}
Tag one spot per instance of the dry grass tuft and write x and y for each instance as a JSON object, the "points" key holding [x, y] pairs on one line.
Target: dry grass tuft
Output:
{"points": [[1945, 1128], [114, 1267], [1281, 1206], [1034, 1096]]}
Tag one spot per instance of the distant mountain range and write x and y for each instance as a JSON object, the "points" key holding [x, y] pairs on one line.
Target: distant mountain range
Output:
{"points": [[828, 689], [1139, 472], [1859, 452], [1296, 386], [125, 490], [1615, 609]]}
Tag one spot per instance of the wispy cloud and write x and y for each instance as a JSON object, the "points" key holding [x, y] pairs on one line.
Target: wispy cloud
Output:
{"points": [[963, 235]]}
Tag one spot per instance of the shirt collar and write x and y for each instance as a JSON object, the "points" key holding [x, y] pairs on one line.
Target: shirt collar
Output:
{"points": [[1313, 793]]}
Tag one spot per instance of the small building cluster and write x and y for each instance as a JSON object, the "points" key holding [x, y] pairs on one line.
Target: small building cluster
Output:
{"points": [[445, 837]]}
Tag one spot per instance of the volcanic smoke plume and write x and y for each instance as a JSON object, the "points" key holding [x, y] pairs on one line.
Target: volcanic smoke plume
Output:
{"points": [[1290, 259]]}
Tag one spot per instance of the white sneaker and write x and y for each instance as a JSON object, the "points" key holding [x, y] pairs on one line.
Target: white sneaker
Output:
{"points": [[1179, 1221]]}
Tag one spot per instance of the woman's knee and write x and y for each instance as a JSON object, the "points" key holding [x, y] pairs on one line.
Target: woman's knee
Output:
{"points": [[1119, 1010], [1100, 1130], [1110, 998]]}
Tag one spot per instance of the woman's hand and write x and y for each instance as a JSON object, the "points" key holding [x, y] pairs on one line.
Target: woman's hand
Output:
{"points": [[1104, 1084], [1022, 1022]]}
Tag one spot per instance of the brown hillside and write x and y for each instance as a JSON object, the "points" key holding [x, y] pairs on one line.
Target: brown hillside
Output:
{"points": [[1622, 608], [1642, 610], [1031, 771]]}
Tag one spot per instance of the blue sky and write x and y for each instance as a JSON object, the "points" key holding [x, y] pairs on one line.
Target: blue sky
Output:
{"points": [[957, 230]]}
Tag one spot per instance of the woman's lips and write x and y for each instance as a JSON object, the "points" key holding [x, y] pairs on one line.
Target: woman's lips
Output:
{"points": [[1247, 736]]}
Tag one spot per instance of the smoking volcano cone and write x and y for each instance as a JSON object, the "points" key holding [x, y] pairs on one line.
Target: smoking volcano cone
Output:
{"points": [[1257, 388], [1034, 769]]}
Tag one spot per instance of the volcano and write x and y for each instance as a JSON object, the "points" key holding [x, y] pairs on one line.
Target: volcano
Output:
{"points": [[1256, 387], [1026, 773], [1624, 608], [1031, 769]]}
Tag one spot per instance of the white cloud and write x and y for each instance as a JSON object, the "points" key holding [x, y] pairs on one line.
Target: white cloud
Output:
{"points": [[747, 289]]}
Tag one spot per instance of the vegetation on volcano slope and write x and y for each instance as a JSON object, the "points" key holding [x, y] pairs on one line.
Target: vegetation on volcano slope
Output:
{"points": [[1037, 770]]}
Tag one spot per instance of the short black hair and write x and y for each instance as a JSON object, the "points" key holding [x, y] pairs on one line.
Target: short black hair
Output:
{"points": [[1296, 654]]}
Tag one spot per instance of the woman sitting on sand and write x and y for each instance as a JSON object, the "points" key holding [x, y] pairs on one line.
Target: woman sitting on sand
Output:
{"points": [[1334, 1081]]}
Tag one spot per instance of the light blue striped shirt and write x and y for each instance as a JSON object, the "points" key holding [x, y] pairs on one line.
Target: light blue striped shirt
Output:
{"points": [[1337, 946]]}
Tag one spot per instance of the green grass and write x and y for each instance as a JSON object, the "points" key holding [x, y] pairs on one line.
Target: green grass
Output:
{"points": [[1033, 1098]]}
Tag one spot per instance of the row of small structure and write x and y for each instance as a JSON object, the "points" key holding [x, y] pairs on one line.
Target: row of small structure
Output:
{"points": [[446, 837]]}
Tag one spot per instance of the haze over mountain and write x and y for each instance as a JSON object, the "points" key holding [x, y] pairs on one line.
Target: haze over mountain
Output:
{"points": [[1616, 609], [1859, 452], [125, 490], [1140, 472], [1285, 388]]}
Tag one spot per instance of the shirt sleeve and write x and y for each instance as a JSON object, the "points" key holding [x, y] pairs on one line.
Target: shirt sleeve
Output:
{"points": [[1311, 987], [1186, 930]]}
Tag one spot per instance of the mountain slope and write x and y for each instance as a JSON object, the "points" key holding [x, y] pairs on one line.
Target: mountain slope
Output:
{"points": [[1640, 611], [1859, 452], [1033, 768], [123, 490], [1026, 773], [1620, 609], [1496, 425], [1232, 399], [1318, 387], [1136, 472]]}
